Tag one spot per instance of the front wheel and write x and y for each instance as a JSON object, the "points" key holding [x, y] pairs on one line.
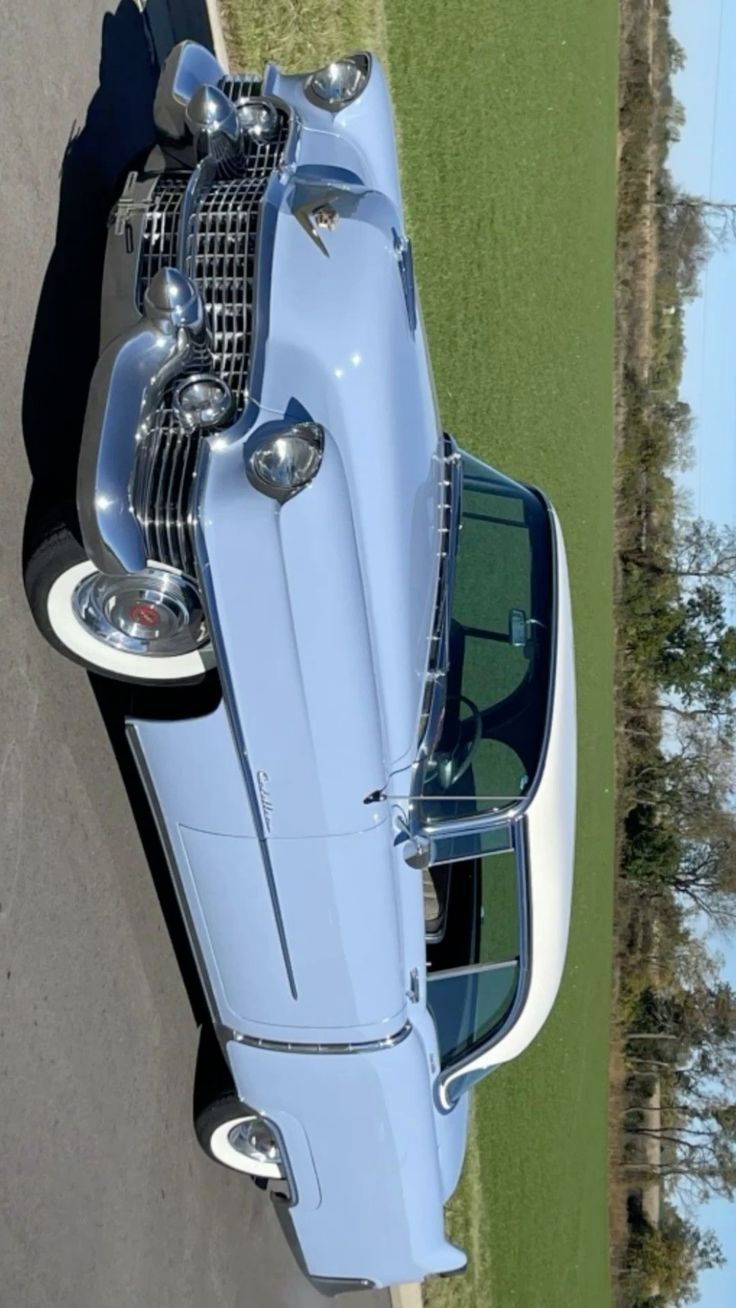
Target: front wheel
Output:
{"points": [[146, 628], [238, 1138]]}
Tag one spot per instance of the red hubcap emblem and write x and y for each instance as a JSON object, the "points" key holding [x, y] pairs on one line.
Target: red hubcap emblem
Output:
{"points": [[146, 615]]}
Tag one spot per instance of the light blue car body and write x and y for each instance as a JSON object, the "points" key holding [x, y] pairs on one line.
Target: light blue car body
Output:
{"points": [[283, 811], [306, 920]]}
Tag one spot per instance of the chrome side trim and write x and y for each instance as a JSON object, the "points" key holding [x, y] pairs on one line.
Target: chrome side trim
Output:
{"points": [[320, 1046], [405, 261]]}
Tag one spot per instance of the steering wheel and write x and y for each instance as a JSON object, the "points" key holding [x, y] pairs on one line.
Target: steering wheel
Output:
{"points": [[454, 765]]}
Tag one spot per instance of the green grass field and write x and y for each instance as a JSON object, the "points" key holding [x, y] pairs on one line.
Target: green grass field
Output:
{"points": [[507, 116]]}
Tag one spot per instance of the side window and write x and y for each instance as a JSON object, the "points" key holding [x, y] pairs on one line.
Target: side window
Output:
{"points": [[473, 964], [468, 1007]]}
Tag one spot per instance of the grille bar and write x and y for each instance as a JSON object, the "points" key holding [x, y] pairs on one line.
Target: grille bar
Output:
{"points": [[239, 85]]}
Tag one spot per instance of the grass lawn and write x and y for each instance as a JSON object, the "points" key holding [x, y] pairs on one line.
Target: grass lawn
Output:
{"points": [[506, 113]]}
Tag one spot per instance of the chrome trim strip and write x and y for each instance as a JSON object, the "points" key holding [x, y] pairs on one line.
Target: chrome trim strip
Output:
{"points": [[322, 1046], [405, 261]]}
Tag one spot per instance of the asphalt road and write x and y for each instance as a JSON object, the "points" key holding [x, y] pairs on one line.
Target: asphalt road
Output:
{"points": [[105, 1199]]}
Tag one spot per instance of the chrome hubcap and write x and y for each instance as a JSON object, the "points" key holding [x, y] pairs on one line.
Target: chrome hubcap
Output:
{"points": [[154, 613], [255, 1139]]}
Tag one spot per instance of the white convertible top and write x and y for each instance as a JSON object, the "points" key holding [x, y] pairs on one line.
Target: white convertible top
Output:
{"points": [[550, 820]]}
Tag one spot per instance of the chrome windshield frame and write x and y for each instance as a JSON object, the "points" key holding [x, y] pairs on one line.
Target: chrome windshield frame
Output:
{"points": [[439, 661]]}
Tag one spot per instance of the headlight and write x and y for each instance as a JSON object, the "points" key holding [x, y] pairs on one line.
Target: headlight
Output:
{"points": [[339, 83], [202, 401], [258, 118], [287, 460]]}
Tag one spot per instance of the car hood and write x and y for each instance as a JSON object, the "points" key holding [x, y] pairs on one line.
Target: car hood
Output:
{"points": [[321, 608]]}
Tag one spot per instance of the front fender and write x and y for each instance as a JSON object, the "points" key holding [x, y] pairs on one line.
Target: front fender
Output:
{"points": [[361, 138]]}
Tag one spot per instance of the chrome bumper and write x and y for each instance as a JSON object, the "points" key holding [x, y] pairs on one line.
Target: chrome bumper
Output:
{"points": [[194, 208]]}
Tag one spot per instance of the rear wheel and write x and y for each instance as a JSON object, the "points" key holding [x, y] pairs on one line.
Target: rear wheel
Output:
{"points": [[238, 1138], [146, 628]]}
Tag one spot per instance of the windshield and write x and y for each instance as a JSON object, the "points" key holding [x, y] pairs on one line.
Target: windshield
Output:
{"points": [[499, 650]]}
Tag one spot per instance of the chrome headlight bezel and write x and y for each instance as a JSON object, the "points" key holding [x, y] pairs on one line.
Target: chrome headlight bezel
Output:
{"points": [[309, 435], [216, 403], [342, 95]]}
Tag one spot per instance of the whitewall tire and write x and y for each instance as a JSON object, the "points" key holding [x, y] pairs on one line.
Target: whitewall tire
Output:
{"points": [[56, 568], [223, 1128]]}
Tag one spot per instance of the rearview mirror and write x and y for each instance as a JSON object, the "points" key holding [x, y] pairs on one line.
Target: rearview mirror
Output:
{"points": [[517, 627]]}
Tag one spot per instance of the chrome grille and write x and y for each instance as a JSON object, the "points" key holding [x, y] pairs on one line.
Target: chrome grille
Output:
{"points": [[162, 488], [220, 257], [221, 260], [221, 253], [160, 230]]}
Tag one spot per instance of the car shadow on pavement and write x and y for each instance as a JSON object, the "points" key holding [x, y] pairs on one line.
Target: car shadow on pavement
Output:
{"points": [[118, 128], [117, 132], [116, 702]]}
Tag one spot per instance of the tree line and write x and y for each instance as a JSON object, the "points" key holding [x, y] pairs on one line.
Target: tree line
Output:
{"points": [[675, 1014]]}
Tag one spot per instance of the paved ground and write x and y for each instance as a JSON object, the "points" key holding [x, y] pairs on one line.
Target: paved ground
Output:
{"points": [[105, 1199]]}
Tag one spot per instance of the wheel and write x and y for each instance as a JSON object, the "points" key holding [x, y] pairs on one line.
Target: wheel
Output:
{"points": [[235, 1136], [146, 628]]}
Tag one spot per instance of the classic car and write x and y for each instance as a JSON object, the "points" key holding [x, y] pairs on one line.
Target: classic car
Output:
{"points": [[371, 829]]}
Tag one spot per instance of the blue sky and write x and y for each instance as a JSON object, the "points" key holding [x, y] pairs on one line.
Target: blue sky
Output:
{"points": [[704, 163]]}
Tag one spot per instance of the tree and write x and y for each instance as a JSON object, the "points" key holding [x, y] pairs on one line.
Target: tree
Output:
{"points": [[706, 872], [676, 54], [705, 551], [697, 661], [689, 1037], [690, 228], [698, 1155], [665, 1261]]}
